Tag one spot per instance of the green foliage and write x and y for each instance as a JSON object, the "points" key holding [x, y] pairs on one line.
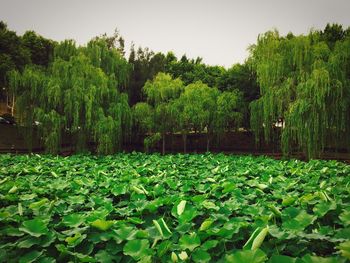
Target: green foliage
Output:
{"points": [[145, 66], [13, 56], [198, 106], [193, 70], [305, 82], [162, 89], [156, 116], [229, 110], [41, 49], [77, 94], [143, 117], [199, 208]]}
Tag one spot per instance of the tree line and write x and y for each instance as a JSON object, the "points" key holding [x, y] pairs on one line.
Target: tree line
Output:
{"points": [[97, 95]]}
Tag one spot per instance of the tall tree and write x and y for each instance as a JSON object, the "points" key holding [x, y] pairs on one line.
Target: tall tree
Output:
{"points": [[13, 56], [160, 92], [79, 94], [229, 110], [196, 110], [243, 78], [40, 48], [305, 82]]}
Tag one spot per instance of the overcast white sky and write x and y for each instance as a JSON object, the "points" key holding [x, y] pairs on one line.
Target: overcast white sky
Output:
{"points": [[219, 31]]}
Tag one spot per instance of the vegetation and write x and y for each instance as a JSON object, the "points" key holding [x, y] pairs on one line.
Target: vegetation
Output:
{"points": [[305, 81], [99, 99], [151, 208], [77, 94]]}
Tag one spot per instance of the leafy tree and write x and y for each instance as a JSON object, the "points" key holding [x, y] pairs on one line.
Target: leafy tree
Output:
{"points": [[192, 70], [332, 33], [243, 78], [65, 50], [79, 94], [143, 117], [306, 83], [145, 66], [41, 49], [13, 56], [229, 110], [160, 92], [196, 110]]}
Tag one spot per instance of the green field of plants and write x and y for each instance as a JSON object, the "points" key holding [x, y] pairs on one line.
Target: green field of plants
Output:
{"points": [[173, 208]]}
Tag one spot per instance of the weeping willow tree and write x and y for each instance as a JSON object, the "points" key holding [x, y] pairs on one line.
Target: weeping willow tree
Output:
{"points": [[155, 117], [306, 82], [78, 94]]}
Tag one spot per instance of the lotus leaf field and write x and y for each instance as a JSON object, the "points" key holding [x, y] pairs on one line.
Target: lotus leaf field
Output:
{"points": [[173, 208]]}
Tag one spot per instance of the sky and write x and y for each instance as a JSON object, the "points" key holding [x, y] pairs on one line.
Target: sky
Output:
{"points": [[219, 31]]}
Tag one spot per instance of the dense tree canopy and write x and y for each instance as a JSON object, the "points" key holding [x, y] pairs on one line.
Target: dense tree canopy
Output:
{"points": [[145, 66], [160, 92], [40, 48], [13, 55], [305, 81], [87, 92], [77, 94]]}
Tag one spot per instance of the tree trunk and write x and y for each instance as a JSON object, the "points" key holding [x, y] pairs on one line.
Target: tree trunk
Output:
{"points": [[163, 147], [13, 105]]}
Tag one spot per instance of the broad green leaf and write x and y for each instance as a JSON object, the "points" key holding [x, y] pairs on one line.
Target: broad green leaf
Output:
{"points": [[289, 200], [156, 224], [13, 190], [181, 207], [189, 213], [252, 237], [20, 209], [281, 259], [125, 233], [164, 247], [12, 232], [38, 204], [345, 249], [275, 210], [210, 205], [73, 220], [46, 260], [30, 256], [245, 256], [104, 257], [315, 259], [262, 186], [102, 224], [189, 242], [34, 227], [345, 217], [205, 225], [209, 244], [27, 197], [43, 241], [299, 222], [139, 190], [162, 228], [28, 242], [183, 255], [259, 239], [137, 248], [174, 257], [322, 208], [200, 256], [75, 240]]}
